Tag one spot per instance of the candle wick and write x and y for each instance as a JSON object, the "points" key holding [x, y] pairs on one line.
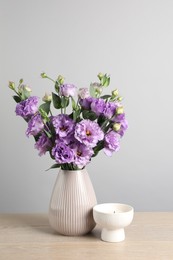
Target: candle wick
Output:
{"points": [[114, 211]]}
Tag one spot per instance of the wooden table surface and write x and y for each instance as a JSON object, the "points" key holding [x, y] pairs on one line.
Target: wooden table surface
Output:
{"points": [[29, 236]]}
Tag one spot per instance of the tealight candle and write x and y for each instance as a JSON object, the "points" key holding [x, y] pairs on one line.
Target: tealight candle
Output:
{"points": [[113, 218]]}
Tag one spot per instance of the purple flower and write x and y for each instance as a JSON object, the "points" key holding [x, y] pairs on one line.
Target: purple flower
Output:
{"points": [[63, 125], [35, 125], [88, 132], [28, 107], [123, 128], [83, 93], [43, 144], [111, 143], [67, 90], [86, 102], [109, 109], [82, 153], [98, 106], [119, 118], [62, 153]]}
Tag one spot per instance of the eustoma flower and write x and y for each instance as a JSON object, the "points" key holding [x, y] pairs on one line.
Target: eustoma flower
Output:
{"points": [[83, 93], [67, 90], [82, 153], [63, 125], [109, 110], [35, 125], [111, 143], [88, 133], [28, 107], [98, 106], [43, 144], [86, 102], [123, 127], [63, 153]]}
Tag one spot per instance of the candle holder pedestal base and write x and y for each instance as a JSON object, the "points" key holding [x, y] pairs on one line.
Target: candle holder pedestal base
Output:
{"points": [[116, 235]]}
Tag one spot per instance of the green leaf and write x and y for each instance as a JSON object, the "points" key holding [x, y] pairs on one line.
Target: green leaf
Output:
{"points": [[64, 102], [89, 115], [47, 133], [51, 156], [106, 84], [17, 99], [54, 166], [73, 103], [45, 107], [36, 137], [101, 120], [105, 81], [56, 101], [71, 115], [57, 86], [43, 115], [105, 96], [100, 146], [104, 125], [76, 114]]}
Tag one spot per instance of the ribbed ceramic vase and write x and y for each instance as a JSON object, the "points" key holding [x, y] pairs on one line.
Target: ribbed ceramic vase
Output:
{"points": [[72, 202]]}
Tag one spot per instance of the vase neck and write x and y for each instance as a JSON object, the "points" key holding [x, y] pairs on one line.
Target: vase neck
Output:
{"points": [[73, 171]]}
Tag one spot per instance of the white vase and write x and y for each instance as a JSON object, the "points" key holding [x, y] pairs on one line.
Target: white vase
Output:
{"points": [[72, 202]]}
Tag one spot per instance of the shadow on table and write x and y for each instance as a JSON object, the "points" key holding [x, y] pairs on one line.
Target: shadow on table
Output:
{"points": [[40, 223]]}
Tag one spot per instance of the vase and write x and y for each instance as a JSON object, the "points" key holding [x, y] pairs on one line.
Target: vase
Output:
{"points": [[72, 202]]}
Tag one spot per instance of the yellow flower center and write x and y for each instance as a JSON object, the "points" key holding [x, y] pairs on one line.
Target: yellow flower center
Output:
{"points": [[79, 153], [63, 128], [88, 133]]}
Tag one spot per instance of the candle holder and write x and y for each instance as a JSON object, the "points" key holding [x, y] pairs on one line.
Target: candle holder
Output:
{"points": [[113, 218]]}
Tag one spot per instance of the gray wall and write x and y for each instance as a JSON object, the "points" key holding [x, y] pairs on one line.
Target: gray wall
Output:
{"points": [[130, 40]]}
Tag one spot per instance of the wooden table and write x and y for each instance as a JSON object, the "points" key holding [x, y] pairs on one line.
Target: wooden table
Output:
{"points": [[29, 236]]}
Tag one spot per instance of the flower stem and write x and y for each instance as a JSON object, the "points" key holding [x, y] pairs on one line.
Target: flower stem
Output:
{"points": [[17, 93], [51, 79], [104, 124], [77, 103], [51, 113]]}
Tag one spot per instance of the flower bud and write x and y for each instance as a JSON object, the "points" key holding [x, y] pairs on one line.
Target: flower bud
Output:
{"points": [[27, 88], [60, 79], [120, 98], [47, 97], [97, 87], [24, 88], [115, 93], [11, 85], [119, 110], [98, 90], [43, 75], [116, 127], [20, 81], [83, 93], [100, 76]]}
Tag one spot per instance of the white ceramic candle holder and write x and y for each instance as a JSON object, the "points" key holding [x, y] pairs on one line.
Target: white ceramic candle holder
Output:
{"points": [[113, 218]]}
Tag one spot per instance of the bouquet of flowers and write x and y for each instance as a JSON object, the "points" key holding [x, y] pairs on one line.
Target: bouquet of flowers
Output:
{"points": [[95, 121]]}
